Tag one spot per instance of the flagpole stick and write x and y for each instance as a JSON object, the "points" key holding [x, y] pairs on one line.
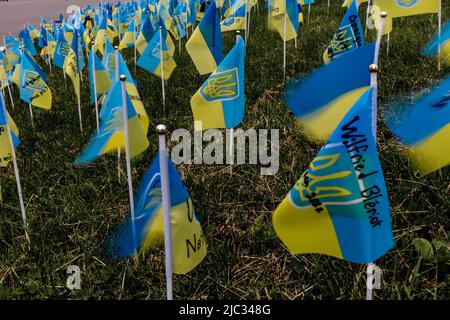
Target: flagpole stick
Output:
{"points": [[165, 192], [284, 47], [388, 43], [48, 54], [162, 70], [31, 114], [186, 19], [17, 175], [95, 87], [249, 14], [439, 34], [309, 12], [328, 8], [134, 37], [369, 2], [373, 68], [116, 58], [128, 161]]}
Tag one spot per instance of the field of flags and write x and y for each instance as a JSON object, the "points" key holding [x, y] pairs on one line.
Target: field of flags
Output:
{"points": [[359, 93]]}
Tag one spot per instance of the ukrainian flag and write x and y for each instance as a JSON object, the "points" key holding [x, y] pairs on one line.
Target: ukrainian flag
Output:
{"points": [[443, 42], [34, 33], [340, 207], [5, 145], [31, 80], [188, 242], [111, 136], [12, 49], [129, 37], [290, 9], [102, 80], [322, 100], [145, 36], [235, 20], [61, 50], [424, 128], [219, 103], [28, 42], [109, 60], [99, 41], [150, 59], [349, 36], [402, 8], [71, 65], [205, 44]]}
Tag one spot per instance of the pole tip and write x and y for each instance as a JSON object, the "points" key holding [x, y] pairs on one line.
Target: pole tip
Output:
{"points": [[373, 68], [383, 14], [116, 47], [161, 129], [123, 77], [105, 34], [238, 32]]}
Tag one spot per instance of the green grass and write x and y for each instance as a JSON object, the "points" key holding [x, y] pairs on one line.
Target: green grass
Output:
{"points": [[72, 211]]}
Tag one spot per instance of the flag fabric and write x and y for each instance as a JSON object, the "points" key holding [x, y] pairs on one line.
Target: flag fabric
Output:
{"points": [[6, 154], [423, 127], [321, 100], [235, 20], [188, 243], [71, 66], [111, 135], [145, 36], [61, 50], [219, 103], [31, 82], [349, 36], [205, 44], [150, 59], [12, 49], [340, 207], [28, 43], [99, 41], [34, 33], [443, 41], [102, 80], [129, 37], [109, 60], [288, 9], [402, 8]]}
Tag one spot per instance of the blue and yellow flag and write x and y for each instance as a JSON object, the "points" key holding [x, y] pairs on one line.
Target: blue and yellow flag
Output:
{"points": [[61, 50], [109, 60], [129, 37], [6, 154], [145, 36], [34, 33], [150, 59], [31, 80], [424, 128], [99, 42], [102, 80], [236, 19], [321, 100], [340, 207], [71, 65], [443, 41], [205, 44], [349, 36], [12, 49], [28, 42], [285, 9], [219, 103], [111, 135], [188, 242]]}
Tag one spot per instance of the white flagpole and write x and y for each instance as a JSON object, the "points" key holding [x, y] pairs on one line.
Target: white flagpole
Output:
{"points": [[284, 47], [162, 69], [48, 53], [439, 34], [186, 20], [128, 160], [95, 88], [309, 12], [165, 191], [134, 37], [388, 43], [249, 13], [16, 172], [367, 14], [328, 7], [31, 114], [374, 85], [116, 59]]}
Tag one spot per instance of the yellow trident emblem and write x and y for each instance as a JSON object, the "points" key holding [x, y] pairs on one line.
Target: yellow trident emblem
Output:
{"points": [[221, 86]]}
